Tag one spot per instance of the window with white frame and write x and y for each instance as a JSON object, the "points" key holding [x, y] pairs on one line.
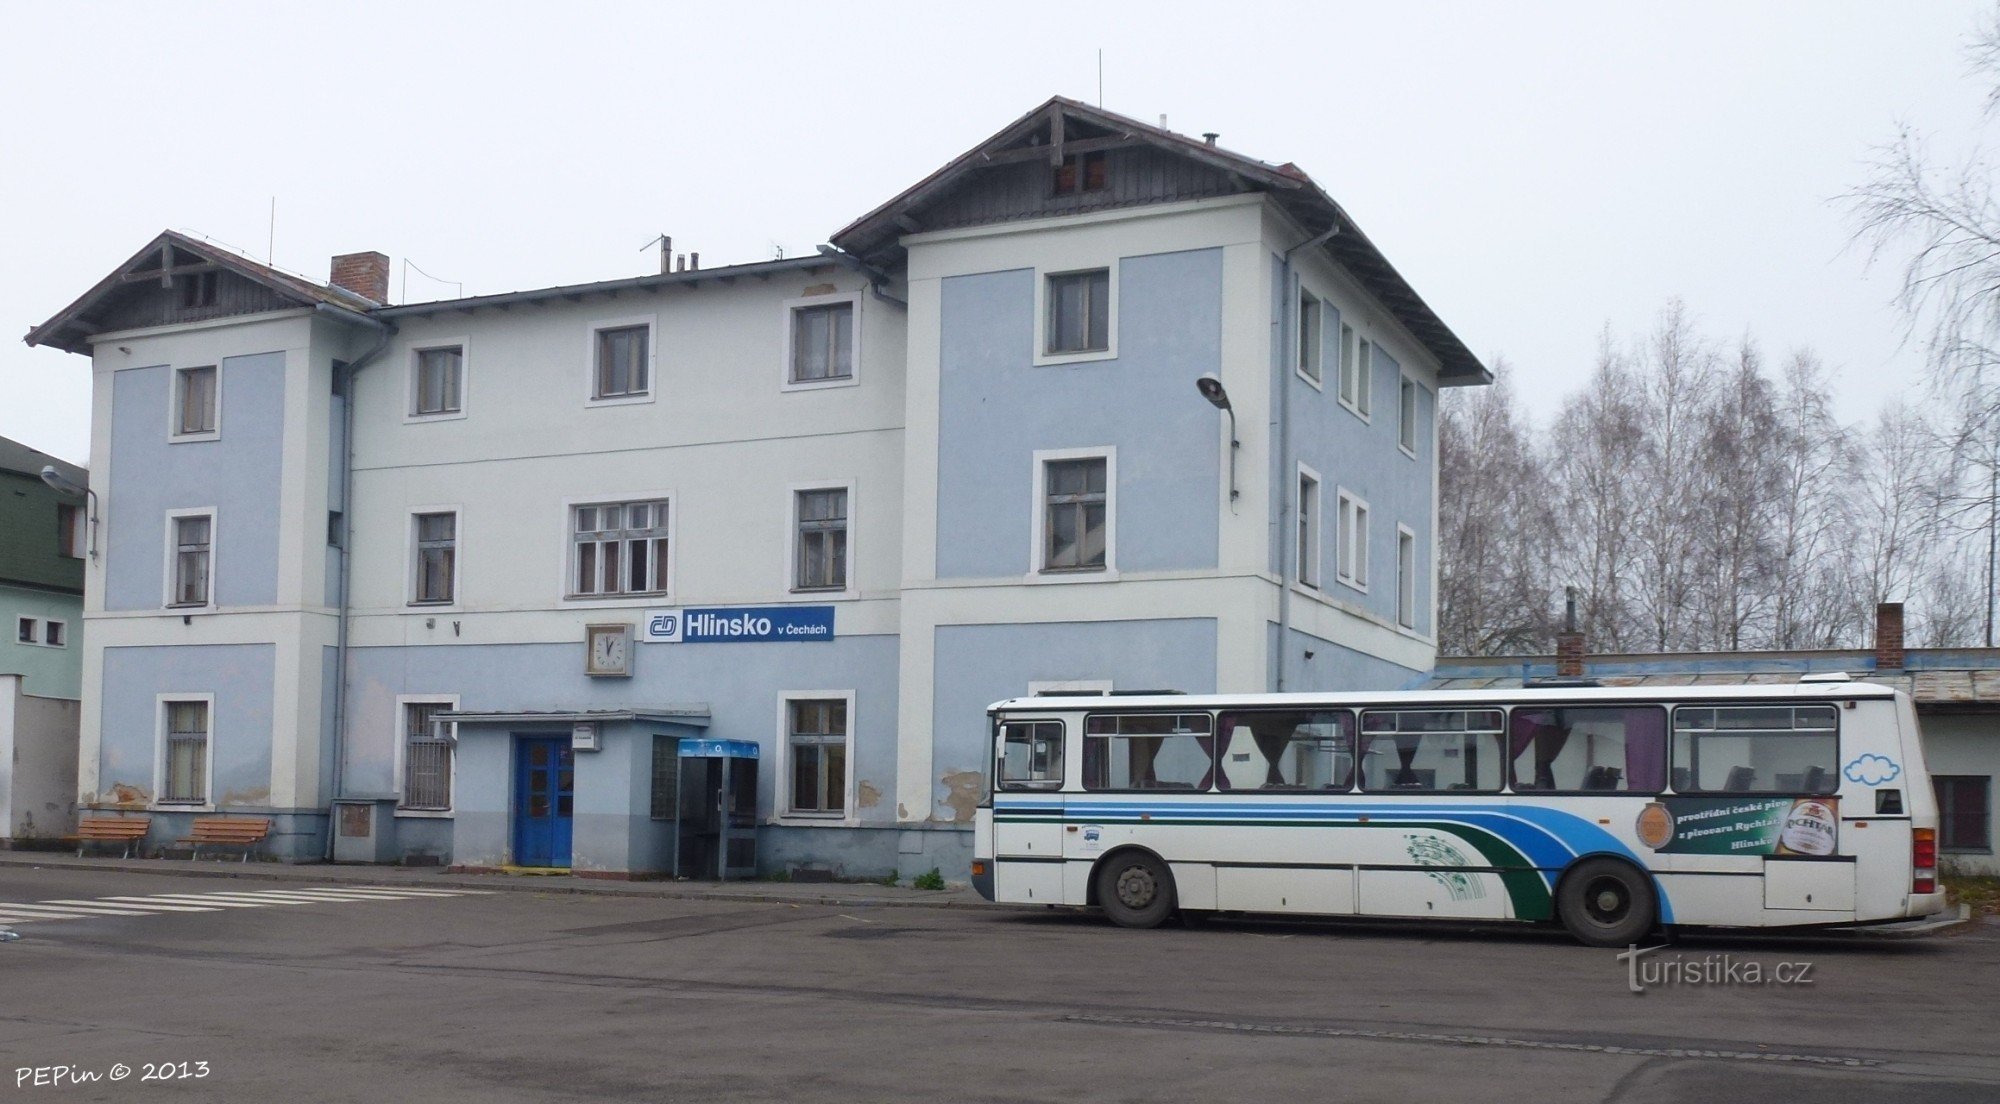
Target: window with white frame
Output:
{"points": [[42, 632], [1406, 577], [1076, 506], [822, 343], [28, 630], [816, 747], [1406, 416], [622, 359], [55, 634], [427, 745], [434, 566], [620, 548], [438, 382], [820, 539], [184, 759], [1357, 357], [192, 554], [1309, 526], [1078, 312], [1351, 541], [196, 402], [1309, 335]]}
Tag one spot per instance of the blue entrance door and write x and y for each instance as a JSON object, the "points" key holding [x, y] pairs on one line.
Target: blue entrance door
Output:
{"points": [[544, 800]]}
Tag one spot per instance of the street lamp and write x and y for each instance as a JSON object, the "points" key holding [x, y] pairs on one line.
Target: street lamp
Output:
{"points": [[1210, 386], [62, 484]]}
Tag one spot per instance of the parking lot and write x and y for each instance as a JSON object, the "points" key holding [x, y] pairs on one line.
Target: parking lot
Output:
{"points": [[295, 989]]}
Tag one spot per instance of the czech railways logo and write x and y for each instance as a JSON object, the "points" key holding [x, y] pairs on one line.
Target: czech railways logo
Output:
{"points": [[664, 626]]}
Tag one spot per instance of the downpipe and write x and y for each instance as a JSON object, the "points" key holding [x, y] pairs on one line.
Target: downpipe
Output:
{"points": [[1288, 345]]}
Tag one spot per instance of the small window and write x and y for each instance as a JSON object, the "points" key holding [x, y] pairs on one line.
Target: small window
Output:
{"points": [[1288, 751], [440, 382], [1965, 812], [427, 746], [1406, 578], [821, 540], [436, 567], [823, 343], [1079, 312], [1308, 549], [1309, 330], [1620, 750], [198, 289], [55, 633], [1406, 416], [619, 548], [1031, 755], [1074, 523], [1164, 751], [1351, 539], [27, 630], [817, 742], [1781, 749], [193, 550], [621, 363], [1350, 365], [194, 401], [186, 754], [1405, 750], [1080, 173], [69, 531]]}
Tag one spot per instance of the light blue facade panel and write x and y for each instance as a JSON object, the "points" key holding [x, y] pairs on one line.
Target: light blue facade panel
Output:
{"points": [[238, 474], [978, 665], [240, 677], [1335, 668], [996, 408]]}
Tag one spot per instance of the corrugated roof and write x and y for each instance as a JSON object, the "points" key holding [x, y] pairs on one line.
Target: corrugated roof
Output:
{"points": [[1941, 679]]}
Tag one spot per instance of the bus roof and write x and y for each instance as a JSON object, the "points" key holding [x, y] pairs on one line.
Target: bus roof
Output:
{"points": [[1527, 695]]}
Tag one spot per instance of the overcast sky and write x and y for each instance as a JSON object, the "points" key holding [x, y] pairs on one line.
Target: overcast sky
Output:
{"points": [[1535, 170]]}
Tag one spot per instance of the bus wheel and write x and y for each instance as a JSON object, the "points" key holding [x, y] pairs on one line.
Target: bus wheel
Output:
{"points": [[1606, 903], [1135, 890]]}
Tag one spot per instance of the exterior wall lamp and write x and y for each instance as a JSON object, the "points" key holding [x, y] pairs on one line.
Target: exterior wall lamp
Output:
{"points": [[62, 485], [1210, 386]]}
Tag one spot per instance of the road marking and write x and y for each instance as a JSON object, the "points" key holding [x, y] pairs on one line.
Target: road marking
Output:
{"points": [[99, 904], [175, 902], [74, 908], [21, 912]]}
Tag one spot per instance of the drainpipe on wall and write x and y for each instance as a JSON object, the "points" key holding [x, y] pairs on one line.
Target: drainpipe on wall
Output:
{"points": [[1288, 323], [876, 277]]}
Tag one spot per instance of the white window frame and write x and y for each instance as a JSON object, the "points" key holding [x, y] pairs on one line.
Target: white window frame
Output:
{"points": [[34, 632], [1317, 354], [172, 556], [1406, 576], [652, 324], [792, 307], [174, 434], [207, 804], [464, 347], [1407, 413], [782, 811], [1044, 358], [790, 588], [410, 564], [403, 702], [1314, 537], [566, 532], [1351, 536], [1038, 522], [1353, 343], [61, 628]]}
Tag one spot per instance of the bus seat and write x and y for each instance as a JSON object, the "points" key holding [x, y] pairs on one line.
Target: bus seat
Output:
{"points": [[1244, 764], [1739, 779], [1816, 780]]}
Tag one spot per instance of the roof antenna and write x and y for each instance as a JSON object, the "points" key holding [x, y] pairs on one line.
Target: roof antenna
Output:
{"points": [[271, 240], [1100, 76]]}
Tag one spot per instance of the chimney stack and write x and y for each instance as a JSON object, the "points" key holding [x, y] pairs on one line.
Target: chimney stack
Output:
{"points": [[1889, 636], [364, 274], [1569, 642]]}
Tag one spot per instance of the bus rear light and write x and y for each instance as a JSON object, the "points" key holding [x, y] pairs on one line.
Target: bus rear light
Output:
{"points": [[1923, 860]]}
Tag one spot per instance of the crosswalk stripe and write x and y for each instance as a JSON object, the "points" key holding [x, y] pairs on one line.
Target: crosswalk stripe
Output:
{"points": [[351, 895], [109, 903], [300, 897], [81, 906], [81, 909], [169, 903], [16, 918], [64, 913], [407, 892], [206, 899]]}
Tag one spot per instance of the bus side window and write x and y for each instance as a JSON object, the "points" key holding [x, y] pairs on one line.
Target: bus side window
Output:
{"points": [[1031, 755], [1782, 749], [1617, 749], [1273, 750]]}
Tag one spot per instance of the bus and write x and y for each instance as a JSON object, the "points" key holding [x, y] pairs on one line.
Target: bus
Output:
{"points": [[1618, 812]]}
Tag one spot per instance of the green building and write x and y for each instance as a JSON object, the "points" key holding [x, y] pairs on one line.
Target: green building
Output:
{"points": [[45, 535]]}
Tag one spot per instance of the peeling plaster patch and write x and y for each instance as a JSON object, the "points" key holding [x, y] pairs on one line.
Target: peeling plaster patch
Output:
{"points": [[866, 796], [965, 787], [125, 794], [902, 811], [260, 795]]}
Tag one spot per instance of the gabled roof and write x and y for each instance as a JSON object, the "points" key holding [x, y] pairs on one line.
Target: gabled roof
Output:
{"points": [[874, 236], [173, 254]]}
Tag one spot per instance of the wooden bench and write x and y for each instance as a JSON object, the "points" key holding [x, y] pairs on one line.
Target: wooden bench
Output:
{"points": [[113, 829], [227, 831]]}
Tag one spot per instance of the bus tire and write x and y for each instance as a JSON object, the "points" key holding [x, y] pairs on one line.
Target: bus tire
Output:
{"points": [[1135, 890], [1607, 903]]}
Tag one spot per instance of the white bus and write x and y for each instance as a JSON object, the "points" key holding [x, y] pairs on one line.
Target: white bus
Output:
{"points": [[1617, 812]]}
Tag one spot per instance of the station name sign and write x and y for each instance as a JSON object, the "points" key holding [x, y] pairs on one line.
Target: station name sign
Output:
{"points": [[739, 625]]}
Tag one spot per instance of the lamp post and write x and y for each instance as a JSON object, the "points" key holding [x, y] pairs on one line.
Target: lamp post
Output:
{"points": [[61, 484], [1211, 389]]}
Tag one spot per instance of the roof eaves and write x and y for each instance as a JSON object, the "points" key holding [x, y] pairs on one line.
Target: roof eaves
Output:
{"points": [[805, 262]]}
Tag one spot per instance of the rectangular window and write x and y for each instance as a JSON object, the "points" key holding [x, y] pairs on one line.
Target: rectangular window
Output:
{"points": [[1080, 173], [1288, 750], [55, 633], [822, 343], [426, 757], [186, 754], [1965, 816], [1406, 416], [619, 548], [69, 531], [193, 553], [821, 562], [1079, 312], [436, 567], [1610, 750], [1405, 750], [194, 401], [1163, 751], [1308, 548], [1350, 363], [1782, 749], [1031, 755], [1075, 507], [1351, 542], [621, 363], [27, 630], [816, 739], [1309, 329], [440, 381], [1406, 578]]}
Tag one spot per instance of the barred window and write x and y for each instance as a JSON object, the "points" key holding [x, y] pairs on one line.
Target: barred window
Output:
{"points": [[822, 540], [427, 748], [186, 754], [619, 548]]}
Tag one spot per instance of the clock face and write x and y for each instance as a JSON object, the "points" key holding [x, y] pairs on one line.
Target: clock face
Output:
{"points": [[609, 649]]}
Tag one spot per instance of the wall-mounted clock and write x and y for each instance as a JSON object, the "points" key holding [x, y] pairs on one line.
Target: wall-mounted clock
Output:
{"points": [[607, 651]]}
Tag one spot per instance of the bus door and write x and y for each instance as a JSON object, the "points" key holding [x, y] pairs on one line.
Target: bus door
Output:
{"points": [[1028, 809]]}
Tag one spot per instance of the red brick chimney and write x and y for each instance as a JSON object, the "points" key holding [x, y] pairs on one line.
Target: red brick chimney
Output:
{"points": [[1569, 642], [364, 274], [1889, 636]]}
